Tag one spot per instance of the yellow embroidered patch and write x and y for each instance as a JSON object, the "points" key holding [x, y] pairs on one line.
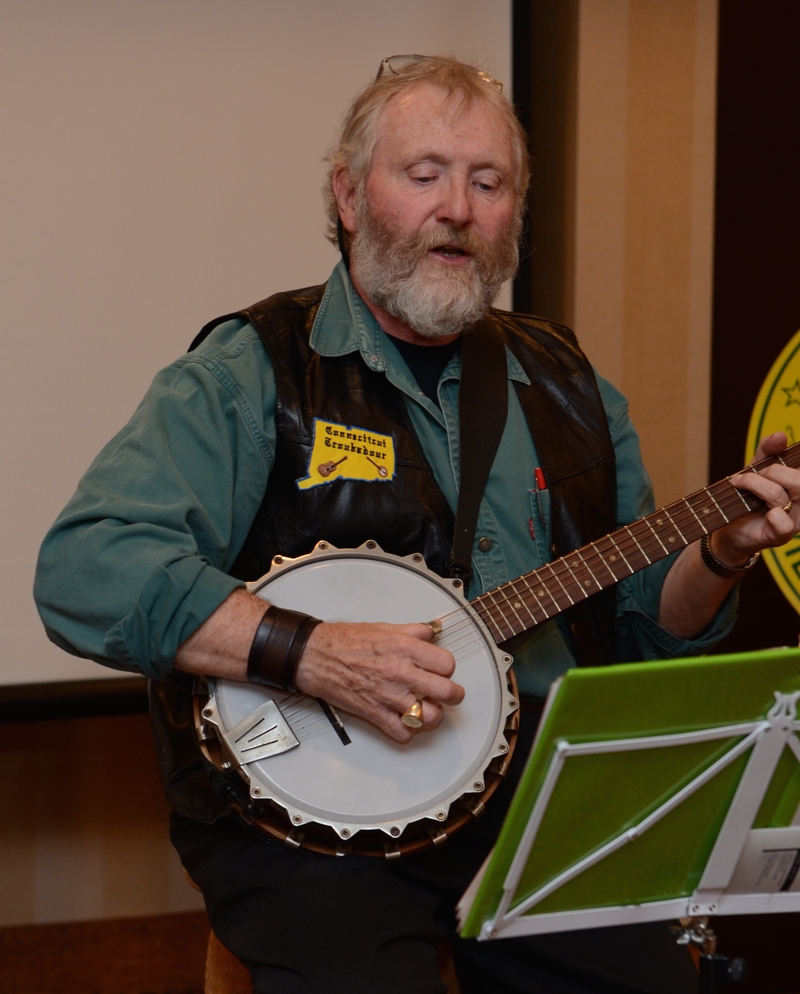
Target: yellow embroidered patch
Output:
{"points": [[344, 453]]}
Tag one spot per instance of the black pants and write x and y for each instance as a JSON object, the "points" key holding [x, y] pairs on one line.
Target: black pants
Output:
{"points": [[304, 923]]}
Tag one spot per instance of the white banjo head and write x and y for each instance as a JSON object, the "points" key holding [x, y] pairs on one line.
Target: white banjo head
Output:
{"points": [[371, 782]]}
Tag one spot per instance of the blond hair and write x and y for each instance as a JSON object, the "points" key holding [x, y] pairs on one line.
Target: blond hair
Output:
{"points": [[356, 143]]}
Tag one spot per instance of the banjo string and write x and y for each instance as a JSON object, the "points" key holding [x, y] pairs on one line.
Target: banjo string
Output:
{"points": [[307, 720], [304, 715], [587, 561]]}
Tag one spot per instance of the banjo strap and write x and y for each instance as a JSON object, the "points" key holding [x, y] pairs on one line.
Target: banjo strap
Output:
{"points": [[482, 411]]}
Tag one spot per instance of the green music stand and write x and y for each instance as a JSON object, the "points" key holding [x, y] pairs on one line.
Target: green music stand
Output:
{"points": [[653, 791]]}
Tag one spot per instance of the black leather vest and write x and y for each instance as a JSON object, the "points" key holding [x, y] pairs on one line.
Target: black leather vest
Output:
{"points": [[408, 514]]}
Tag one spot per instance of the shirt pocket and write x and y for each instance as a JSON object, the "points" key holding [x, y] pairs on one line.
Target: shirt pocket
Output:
{"points": [[540, 518]]}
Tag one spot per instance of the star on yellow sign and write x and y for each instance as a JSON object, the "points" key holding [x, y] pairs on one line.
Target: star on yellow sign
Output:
{"points": [[792, 393]]}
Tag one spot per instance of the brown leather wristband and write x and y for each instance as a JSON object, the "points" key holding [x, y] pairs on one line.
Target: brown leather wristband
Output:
{"points": [[277, 646]]}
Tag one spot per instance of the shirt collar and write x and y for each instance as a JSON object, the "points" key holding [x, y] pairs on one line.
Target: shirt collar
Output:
{"points": [[345, 324]]}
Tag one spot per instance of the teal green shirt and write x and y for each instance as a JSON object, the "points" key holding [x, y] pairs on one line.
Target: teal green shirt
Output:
{"points": [[139, 557]]}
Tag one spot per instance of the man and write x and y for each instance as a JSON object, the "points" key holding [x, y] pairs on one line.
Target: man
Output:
{"points": [[202, 489]]}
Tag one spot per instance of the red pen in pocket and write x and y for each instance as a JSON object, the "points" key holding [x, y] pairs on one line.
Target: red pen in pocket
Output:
{"points": [[541, 484]]}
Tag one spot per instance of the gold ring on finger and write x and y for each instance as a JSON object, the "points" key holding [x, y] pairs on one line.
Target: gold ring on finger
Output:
{"points": [[413, 717]]}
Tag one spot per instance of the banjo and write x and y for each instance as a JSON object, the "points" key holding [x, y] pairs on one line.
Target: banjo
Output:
{"points": [[332, 782]]}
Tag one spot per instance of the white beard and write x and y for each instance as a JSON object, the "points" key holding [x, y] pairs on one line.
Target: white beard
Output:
{"points": [[436, 301]]}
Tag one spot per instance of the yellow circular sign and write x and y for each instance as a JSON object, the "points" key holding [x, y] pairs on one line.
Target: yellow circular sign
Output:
{"points": [[778, 409]]}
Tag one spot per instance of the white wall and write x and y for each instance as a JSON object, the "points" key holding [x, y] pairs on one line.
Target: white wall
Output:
{"points": [[160, 165]]}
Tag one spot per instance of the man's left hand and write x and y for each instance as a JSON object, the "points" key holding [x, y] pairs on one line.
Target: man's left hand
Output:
{"points": [[778, 486], [692, 593]]}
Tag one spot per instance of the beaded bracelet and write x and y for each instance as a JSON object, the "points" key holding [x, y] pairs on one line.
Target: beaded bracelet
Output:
{"points": [[727, 572], [277, 646]]}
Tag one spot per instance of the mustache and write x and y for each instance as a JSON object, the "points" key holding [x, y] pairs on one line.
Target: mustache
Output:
{"points": [[461, 238], [410, 251]]}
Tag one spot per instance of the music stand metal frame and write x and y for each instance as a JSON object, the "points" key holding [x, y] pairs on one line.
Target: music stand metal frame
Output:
{"points": [[765, 739]]}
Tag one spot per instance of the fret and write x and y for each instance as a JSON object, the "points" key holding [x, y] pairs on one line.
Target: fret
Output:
{"points": [[649, 560], [485, 611], [649, 543], [574, 567], [588, 583], [603, 561], [550, 594], [506, 622], [742, 498], [701, 501], [546, 589], [553, 572], [576, 570], [666, 551], [613, 555], [514, 604], [672, 522], [752, 502], [486, 616], [724, 515], [621, 554], [507, 600], [686, 502], [660, 522], [740, 495], [499, 635], [521, 602]]}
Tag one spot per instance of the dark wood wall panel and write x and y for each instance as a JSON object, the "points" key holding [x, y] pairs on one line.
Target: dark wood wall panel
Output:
{"points": [[756, 254], [544, 51]]}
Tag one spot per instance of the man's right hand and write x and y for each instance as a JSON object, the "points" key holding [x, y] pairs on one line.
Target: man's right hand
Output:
{"points": [[378, 671], [375, 671]]}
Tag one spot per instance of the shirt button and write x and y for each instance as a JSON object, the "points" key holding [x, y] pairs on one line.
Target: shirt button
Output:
{"points": [[373, 358], [485, 544]]}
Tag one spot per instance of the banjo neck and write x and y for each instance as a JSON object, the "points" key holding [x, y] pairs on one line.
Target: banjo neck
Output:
{"points": [[522, 604]]}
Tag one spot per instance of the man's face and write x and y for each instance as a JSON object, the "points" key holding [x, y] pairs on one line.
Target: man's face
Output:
{"points": [[435, 163], [436, 227]]}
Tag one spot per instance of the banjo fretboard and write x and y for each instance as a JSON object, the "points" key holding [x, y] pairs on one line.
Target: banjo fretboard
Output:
{"points": [[529, 600]]}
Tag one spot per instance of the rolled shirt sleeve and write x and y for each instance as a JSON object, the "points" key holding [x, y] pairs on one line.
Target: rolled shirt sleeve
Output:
{"points": [[138, 559], [637, 632]]}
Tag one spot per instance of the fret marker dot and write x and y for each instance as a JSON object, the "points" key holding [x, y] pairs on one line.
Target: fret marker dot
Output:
{"points": [[705, 510], [588, 583], [517, 604], [613, 559], [672, 538], [659, 521]]}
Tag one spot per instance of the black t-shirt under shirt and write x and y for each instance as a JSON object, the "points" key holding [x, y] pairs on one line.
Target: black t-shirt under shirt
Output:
{"points": [[427, 363]]}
